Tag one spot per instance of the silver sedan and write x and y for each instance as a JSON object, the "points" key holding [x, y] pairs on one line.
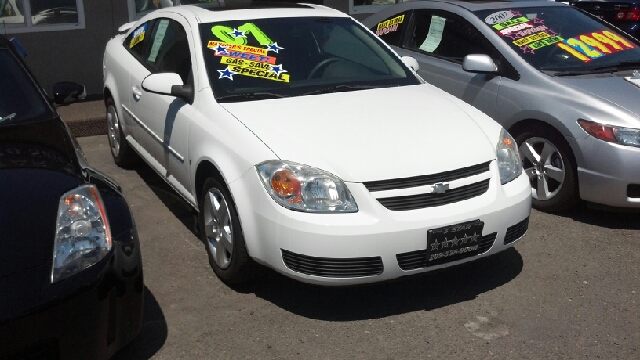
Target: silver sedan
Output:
{"points": [[562, 82]]}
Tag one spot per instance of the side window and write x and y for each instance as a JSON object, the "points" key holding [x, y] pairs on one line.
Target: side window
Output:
{"points": [[446, 35], [137, 40], [169, 49], [390, 30]]}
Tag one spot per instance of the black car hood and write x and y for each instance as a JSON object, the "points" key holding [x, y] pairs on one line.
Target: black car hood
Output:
{"points": [[38, 164]]}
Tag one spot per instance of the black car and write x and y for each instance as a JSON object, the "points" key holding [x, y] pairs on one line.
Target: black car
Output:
{"points": [[624, 14], [71, 282]]}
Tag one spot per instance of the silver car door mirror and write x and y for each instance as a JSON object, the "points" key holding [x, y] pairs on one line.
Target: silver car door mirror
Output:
{"points": [[411, 62], [479, 63]]}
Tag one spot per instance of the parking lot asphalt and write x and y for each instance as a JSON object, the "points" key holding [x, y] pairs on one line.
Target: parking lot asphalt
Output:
{"points": [[569, 290]]}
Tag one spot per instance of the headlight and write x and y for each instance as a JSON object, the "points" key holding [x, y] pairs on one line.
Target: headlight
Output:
{"points": [[304, 188], [508, 158], [83, 236], [620, 135]]}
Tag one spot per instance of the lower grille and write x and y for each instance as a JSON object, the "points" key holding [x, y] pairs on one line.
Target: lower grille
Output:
{"points": [[419, 259], [333, 267], [516, 231], [420, 201]]}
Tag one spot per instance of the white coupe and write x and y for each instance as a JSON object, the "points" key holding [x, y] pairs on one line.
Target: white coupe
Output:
{"points": [[307, 145]]}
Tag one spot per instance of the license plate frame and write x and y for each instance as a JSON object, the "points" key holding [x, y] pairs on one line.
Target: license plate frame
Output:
{"points": [[453, 241]]}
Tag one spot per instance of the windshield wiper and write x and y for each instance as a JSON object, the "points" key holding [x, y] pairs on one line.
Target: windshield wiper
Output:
{"points": [[618, 66], [249, 96], [340, 88], [8, 117]]}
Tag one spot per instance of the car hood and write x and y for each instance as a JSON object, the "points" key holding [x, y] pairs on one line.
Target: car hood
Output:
{"points": [[33, 177], [614, 90], [371, 134]]}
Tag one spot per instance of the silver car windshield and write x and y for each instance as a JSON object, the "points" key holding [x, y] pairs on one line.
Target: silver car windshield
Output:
{"points": [[263, 58], [562, 40]]}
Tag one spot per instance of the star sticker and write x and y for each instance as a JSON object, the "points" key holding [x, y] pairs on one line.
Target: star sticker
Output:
{"points": [[527, 49], [434, 246], [455, 241], [274, 47], [474, 238], [445, 244], [537, 20], [221, 50], [516, 13], [227, 73], [464, 239], [237, 33], [277, 69]]}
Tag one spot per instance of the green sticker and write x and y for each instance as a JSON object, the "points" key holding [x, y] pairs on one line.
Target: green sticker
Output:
{"points": [[238, 36]]}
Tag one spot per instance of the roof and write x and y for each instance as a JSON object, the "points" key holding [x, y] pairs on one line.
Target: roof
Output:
{"points": [[253, 10], [473, 5]]}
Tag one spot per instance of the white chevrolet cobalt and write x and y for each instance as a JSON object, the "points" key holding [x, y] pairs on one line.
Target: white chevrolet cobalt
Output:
{"points": [[308, 146]]}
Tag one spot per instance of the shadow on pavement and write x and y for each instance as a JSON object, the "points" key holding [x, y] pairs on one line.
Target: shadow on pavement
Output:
{"points": [[419, 292], [169, 197], [610, 219], [152, 335]]}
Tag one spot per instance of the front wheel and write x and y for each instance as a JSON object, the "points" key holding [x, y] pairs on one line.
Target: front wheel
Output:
{"points": [[122, 153], [222, 235], [547, 161]]}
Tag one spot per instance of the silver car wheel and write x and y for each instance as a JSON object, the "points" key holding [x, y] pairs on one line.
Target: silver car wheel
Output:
{"points": [[113, 130], [218, 228], [545, 167]]}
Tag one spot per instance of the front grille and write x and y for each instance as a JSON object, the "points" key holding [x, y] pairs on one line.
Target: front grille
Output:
{"points": [[633, 191], [420, 201], [422, 180], [516, 231], [419, 259], [333, 267]]}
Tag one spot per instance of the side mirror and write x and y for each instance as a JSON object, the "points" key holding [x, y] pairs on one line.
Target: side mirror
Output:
{"points": [[411, 62], [479, 63], [66, 92], [168, 84]]}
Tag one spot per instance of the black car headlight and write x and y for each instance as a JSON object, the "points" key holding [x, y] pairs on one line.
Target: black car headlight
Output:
{"points": [[82, 236]]}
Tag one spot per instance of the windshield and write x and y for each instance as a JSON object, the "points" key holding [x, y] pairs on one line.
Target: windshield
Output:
{"points": [[561, 39], [263, 58], [19, 98]]}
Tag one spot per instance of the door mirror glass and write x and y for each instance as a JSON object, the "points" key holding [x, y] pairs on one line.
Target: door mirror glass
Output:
{"points": [[479, 63]]}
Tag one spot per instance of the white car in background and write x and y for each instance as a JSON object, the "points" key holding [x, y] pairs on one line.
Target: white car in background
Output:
{"points": [[308, 146]]}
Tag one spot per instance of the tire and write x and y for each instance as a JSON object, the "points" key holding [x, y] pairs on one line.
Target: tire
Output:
{"points": [[122, 153], [222, 236], [549, 163]]}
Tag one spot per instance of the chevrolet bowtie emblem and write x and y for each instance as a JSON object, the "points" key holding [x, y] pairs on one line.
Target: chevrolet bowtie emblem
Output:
{"points": [[439, 188]]}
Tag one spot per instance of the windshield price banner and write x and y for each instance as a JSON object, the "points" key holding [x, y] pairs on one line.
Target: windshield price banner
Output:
{"points": [[587, 47]]}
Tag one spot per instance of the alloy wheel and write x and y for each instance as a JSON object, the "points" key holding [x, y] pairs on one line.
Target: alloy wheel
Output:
{"points": [[544, 165], [113, 130], [218, 228]]}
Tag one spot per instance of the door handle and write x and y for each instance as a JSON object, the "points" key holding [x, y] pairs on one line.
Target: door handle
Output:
{"points": [[136, 93]]}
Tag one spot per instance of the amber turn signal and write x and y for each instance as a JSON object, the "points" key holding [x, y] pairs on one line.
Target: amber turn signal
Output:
{"points": [[286, 185]]}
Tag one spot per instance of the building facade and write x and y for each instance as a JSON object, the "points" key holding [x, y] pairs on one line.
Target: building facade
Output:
{"points": [[65, 39]]}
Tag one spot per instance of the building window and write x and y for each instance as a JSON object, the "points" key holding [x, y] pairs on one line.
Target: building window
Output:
{"points": [[139, 8], [23, 16], [369, 6]]}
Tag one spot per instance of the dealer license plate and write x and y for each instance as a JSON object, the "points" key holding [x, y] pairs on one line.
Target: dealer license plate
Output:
{"points": [[454, 240]]}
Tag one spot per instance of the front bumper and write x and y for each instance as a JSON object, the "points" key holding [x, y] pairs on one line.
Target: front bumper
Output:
{"points": [[350, 240], [607, 171], [90, 315]]}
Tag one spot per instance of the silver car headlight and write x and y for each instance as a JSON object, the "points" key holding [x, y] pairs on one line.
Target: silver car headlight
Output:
{"points": [[616, 134], [509, 162], [305, 188], [82, 236]]}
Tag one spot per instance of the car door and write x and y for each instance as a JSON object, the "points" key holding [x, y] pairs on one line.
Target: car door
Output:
{"points": [[439, 40], [164, 119]]}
